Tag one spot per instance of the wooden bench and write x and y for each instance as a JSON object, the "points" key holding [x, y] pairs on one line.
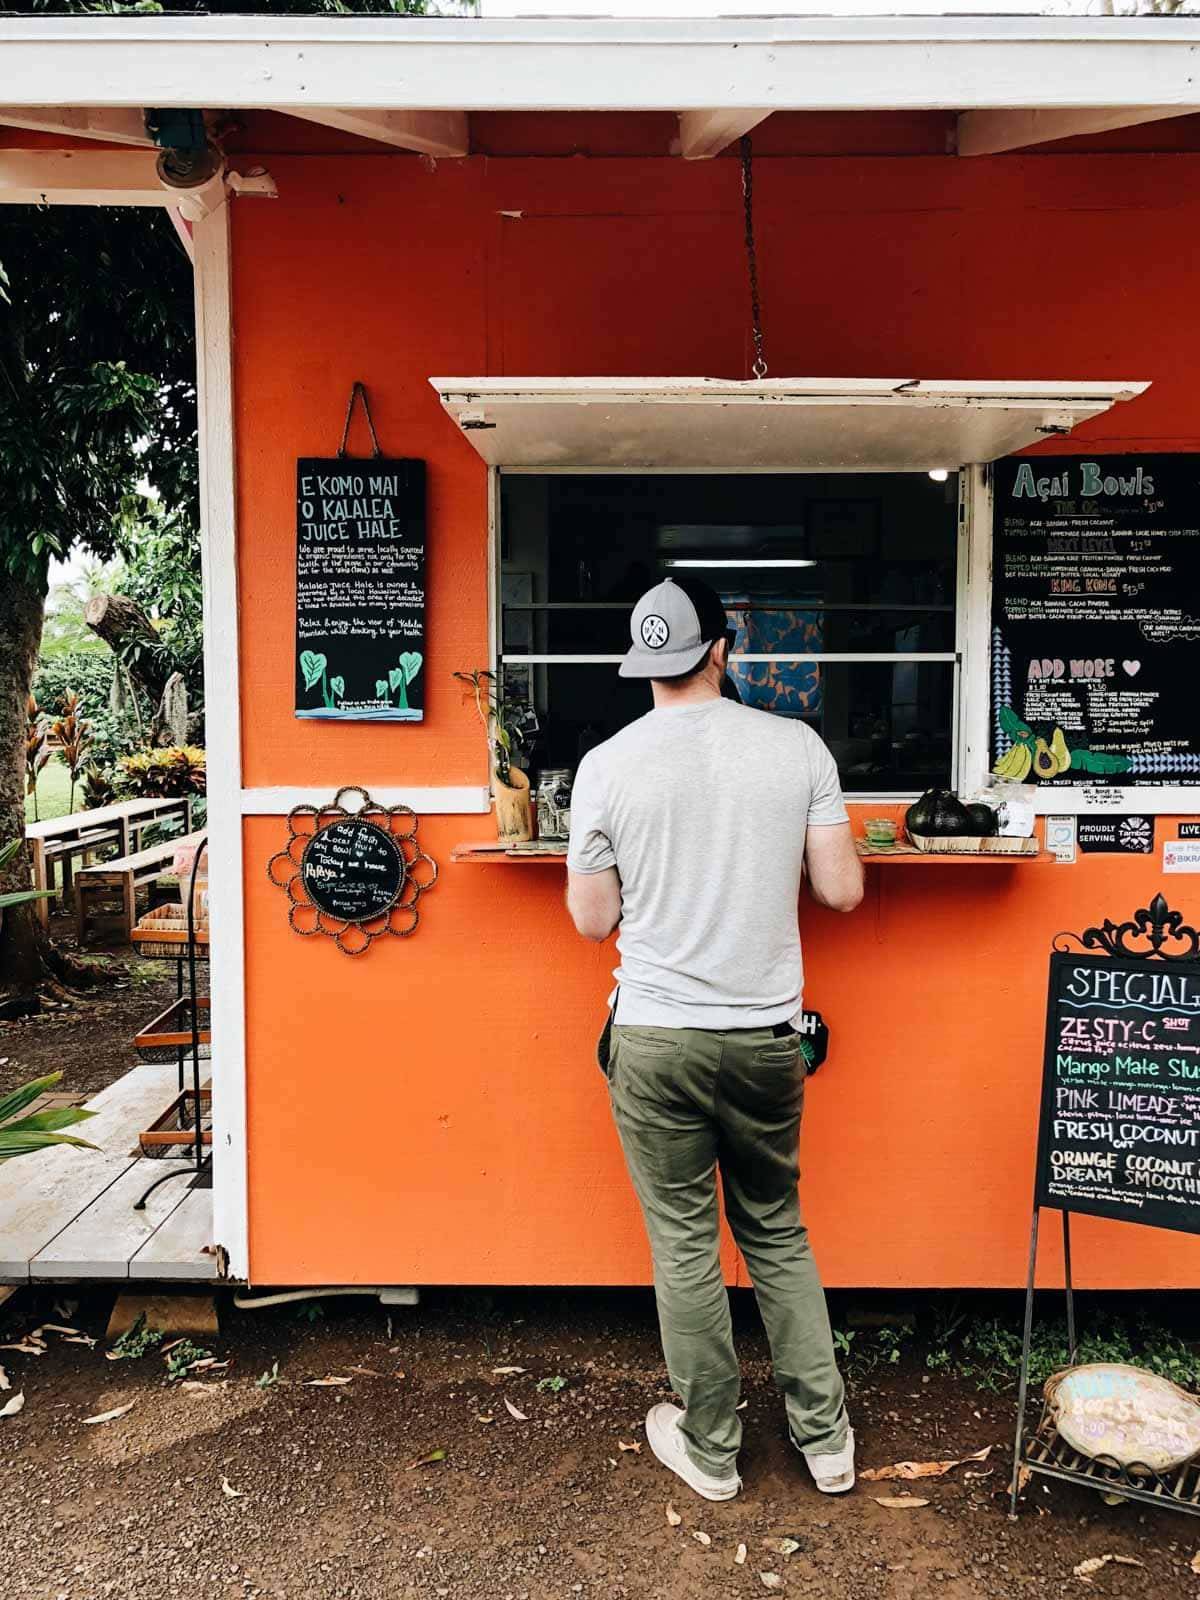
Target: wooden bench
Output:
{"points": [[81, 835], [106, 893]]}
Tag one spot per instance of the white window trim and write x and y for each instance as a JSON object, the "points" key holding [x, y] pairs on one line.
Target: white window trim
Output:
{"points": [[957, 657]]}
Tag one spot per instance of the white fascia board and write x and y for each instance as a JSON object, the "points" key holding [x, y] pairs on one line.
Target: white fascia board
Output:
{"points": [[432, 133], [115, 126], [706, 133], [600, 64], [989, 133]]}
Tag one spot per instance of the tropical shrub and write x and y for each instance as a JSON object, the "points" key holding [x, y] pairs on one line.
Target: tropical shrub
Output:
{"points": [[20, 1136], [165, 773]]}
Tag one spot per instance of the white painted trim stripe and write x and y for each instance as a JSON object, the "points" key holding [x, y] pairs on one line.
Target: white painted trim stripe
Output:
{"points": [[789, 655], [467, 800], [214, 383]]}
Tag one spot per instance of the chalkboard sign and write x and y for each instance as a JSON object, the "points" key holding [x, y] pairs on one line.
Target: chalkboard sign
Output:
{"points": [[1120, 1120], [360, 588], [1096, 620], [353, 871]]}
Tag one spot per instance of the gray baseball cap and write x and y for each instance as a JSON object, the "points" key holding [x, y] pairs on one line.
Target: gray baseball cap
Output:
{"points": [[672, 626]]}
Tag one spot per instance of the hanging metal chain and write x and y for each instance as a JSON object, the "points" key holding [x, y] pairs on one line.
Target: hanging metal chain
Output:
{"points": [[759, 367]]}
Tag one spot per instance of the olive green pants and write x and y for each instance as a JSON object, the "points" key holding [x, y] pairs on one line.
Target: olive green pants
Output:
{"points": [[685, 1101]]}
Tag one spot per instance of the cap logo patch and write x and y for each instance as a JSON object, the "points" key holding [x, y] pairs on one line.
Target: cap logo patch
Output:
{"points": [[655, 632]]}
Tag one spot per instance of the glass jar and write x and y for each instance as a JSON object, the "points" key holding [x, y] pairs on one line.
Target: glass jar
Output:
{"points": [[554, 803]]}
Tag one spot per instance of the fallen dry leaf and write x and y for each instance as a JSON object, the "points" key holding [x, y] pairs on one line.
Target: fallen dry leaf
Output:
{"points": [[1195, 1563], [700, 1538], [517, 1416], [1093, 1564], [1023, 1476], [4, 1383], [429, 1460], [80, 1338], [782, 1547], [228, 1489], [27, 1347], [364, 1372], [900, 1502], [739, 1556], [771, 1580], [109, 1416], [326, 1383], [17, 1403], [484, 1419], [675, 1519], [57, 1327], [636, 1448], [506, 1372], [921, 1469]]}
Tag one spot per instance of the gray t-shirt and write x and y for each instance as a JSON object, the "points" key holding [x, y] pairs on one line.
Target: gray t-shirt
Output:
{"points": [[702, 809]]}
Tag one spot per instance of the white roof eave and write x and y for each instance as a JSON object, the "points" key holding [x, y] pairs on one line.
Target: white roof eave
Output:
{"points": [[599, 63], [779, 424]]}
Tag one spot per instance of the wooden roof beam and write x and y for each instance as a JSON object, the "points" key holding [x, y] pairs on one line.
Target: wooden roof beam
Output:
{"points": [[706, 133], [990, 133], [433, 133], [117, 125]]}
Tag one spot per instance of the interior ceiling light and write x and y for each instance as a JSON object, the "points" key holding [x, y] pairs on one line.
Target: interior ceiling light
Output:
{"points": [[939, 474], [709, 561]]}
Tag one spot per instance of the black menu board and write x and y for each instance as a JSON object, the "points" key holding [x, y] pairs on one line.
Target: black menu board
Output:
{"points": [[352, 870], [1120, 1123], [1096, 620], [360, 589]]}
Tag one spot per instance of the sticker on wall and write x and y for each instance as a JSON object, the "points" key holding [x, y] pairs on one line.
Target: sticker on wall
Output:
{"points": [[354, 876], [1189, 830], [1061, 835], [360, 584], [1116, 835], [1181, 855]]}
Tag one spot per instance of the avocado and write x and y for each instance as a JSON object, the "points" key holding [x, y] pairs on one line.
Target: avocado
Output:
{"points": [[1045, 762], [938, 813], [983, 819], [1058, 749]]}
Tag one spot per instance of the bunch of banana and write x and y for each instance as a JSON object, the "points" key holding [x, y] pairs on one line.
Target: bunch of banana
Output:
{"points": [[1013, 766], [1029, 752]]}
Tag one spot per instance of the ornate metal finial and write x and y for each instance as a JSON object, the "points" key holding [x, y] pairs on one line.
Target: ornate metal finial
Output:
{"points": [[1154, 932]]}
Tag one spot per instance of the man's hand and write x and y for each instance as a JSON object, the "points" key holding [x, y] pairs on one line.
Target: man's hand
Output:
{"points": [[594, 901], [835, 872]]}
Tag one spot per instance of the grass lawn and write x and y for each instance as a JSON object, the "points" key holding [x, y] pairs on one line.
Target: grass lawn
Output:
{"points": [[53, 792]]}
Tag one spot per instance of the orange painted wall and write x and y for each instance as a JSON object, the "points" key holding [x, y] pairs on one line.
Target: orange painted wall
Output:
{"points": [[432, 1113]]}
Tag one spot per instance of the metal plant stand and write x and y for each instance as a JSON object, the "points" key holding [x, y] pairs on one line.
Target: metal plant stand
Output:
{"points": [[199, 1165], [1153, 934]]}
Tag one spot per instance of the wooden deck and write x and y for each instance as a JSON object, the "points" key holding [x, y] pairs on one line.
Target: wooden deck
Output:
{"points": [[68, 1214]]}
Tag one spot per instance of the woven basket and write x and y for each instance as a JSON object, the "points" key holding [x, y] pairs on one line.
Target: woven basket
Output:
{"points": [[163, 932]]}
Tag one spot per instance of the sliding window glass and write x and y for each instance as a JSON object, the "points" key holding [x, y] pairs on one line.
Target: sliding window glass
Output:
{"points": [[841, 590]]}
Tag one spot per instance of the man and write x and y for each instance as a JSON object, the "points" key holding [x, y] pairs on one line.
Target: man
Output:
{"points": [[690, 832]]}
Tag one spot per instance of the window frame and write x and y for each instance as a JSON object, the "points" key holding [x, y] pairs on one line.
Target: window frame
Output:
{"points": [[958, 658]]}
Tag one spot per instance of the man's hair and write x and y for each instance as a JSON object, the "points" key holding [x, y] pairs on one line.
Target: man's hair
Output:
{"points": [[682, 677]]}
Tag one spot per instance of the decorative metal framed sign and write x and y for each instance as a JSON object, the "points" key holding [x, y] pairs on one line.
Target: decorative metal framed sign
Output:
{"points": [[353, 875]]}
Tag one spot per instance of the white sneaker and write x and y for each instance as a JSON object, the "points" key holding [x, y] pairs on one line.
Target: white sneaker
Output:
{"points": [[833, 1472], [662, 1430]]}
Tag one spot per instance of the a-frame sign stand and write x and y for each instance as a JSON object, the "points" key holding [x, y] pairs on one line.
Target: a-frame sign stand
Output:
{"points": [[1137, 982]]}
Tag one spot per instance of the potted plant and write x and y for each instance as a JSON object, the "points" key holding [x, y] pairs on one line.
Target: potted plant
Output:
{"points": [[510, 784]]}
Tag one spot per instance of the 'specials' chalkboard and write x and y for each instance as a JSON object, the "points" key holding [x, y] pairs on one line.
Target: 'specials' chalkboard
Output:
{"points": [[1096, 619], [1120, 1121], [352, 870], [360, 588]]}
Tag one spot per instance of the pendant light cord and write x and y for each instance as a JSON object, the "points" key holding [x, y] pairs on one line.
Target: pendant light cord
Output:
{"points": [[759, 366]]}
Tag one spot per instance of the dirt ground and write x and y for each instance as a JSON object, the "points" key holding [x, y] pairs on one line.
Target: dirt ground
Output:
{"points": [[224, 1488], [86, 1035]]}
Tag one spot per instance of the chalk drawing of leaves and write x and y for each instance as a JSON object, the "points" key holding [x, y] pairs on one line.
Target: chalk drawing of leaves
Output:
{"points": [[395, 677], [312, 665], [381, 687], [410, 665], [337, 686]]}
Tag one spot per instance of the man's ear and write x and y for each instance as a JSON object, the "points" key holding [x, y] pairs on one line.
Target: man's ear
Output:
{"points": [[720, 655]]}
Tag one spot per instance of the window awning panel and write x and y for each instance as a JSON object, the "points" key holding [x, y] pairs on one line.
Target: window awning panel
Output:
{"points": [[782, 424]]}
